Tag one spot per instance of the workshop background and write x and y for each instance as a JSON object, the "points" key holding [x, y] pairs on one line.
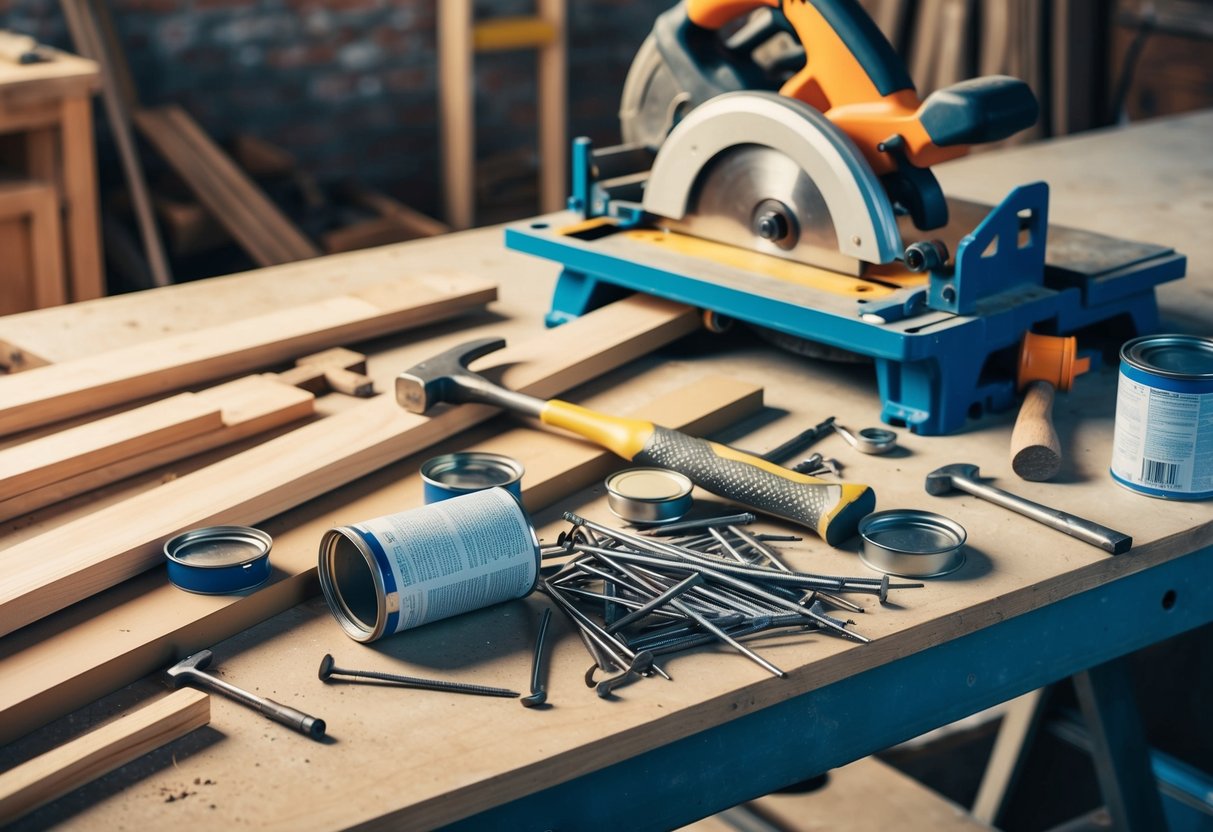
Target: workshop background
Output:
{"points": [[346, 91], [321, 99]]}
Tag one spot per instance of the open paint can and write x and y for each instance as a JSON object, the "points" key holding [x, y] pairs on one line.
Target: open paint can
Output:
{"points": [[394, 573], [463, 472]]}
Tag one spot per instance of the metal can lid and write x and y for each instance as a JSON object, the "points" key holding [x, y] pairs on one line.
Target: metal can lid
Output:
{"points": [[649, 485], [219, 558], [1187, 357], [912, 543], [471, 471], [911, 531]]}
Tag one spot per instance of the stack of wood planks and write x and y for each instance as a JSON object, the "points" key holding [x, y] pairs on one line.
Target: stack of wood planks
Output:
{"points": [[68, 585]]}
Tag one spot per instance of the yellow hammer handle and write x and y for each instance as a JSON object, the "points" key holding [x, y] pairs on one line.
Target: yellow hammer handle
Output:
{"points": [[833, 510]]}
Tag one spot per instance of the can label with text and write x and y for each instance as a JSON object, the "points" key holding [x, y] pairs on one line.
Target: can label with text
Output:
{"points": [[1163, 440], [393, 573]]}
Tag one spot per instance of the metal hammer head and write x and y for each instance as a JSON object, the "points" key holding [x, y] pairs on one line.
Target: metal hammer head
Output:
{"points": [[939, 481], [438, 379], [198, 661]]}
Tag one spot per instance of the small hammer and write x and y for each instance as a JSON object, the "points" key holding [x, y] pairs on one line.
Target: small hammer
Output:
{"points": [[189, 670], [833, 510]]}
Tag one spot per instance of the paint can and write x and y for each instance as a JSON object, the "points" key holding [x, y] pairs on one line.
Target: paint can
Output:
{"points": [[450, 475], [1163, 440], [394, 573]]}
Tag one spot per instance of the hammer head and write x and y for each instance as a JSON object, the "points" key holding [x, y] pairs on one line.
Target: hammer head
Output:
{"points": [[939, 481], [438, 379], [182, 669]]}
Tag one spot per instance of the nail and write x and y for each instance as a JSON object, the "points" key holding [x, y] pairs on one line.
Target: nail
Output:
{"points": [[538, 694], [642, 663], [328, 670]]}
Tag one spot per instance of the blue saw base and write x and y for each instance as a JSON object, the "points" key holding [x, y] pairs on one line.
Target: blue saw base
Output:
{"points": [[930, 343]]}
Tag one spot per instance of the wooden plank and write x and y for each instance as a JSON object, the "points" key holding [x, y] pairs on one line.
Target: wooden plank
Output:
{"points": [[85, 269], [553, 109], [388, 207], [46, 245], [46, 394], [71, 562], [98, 752], [226, 191], [93, 445], [90, 42], [70, 659], [455, 91], [248, 406]]}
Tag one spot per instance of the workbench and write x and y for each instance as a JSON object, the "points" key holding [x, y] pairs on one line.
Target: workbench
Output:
{"points": [[1030, 606]]}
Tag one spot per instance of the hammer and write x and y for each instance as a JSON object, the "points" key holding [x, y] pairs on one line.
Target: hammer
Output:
{"points": [[833, 510], [965, 477], [190, 671]]}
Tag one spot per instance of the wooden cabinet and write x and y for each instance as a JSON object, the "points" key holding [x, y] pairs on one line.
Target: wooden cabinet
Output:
{"points": [[50, 248]]}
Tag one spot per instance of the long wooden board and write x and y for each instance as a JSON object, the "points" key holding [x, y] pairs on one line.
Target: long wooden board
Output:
{"points": [[58, 456], [84, 759], [47, 394], [72, 658], [246, 407], [73, 561], [228, 193]]}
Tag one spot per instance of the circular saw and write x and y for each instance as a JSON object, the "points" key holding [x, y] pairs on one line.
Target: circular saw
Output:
{"points": [[791, 127]]}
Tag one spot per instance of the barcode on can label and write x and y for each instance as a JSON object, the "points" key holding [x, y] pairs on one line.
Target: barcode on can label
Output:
{"points": [[1163, 439]]}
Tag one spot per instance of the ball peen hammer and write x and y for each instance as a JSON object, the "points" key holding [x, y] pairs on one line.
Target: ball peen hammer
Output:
{"points": [[831, 509]]}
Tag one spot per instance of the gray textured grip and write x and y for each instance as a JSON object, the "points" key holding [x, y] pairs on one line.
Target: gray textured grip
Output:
{"points": [[803, 503]]}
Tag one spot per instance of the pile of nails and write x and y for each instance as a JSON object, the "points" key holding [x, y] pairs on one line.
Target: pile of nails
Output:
{"points": [[636, 595]]}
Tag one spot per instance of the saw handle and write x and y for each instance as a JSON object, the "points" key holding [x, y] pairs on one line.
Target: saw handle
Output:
{"points": [[833, 510]]}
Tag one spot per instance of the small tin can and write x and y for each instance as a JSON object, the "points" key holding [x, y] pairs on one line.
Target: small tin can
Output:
{"points": [[218, 560], [450, 475], [649, 495], [1163, 440], [393, 573]]}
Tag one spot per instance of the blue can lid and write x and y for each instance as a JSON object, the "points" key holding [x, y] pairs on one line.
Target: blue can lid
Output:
{"points": [[216, 560]]}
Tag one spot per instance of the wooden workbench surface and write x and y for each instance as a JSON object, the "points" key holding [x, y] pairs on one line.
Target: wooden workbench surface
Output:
{"points": [[418, 759]]}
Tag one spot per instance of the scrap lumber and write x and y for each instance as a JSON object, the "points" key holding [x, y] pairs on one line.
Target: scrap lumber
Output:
{"points": [[72, 658], [60, 770], [247, 406], [71, 562], [228, 193], [71, 388], [58, 456], [338, 370]]}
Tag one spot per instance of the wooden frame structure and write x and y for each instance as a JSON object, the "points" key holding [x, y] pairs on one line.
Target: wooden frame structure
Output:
{"points": [[459, 39]]}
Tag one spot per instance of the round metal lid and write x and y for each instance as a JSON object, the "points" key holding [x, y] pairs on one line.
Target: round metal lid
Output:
{"points": [[650, 485], [912, 543], [218, 560], [1174, 356]]}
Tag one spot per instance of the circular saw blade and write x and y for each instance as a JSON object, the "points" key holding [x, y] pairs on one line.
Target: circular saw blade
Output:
{"points": [[750, 184]]}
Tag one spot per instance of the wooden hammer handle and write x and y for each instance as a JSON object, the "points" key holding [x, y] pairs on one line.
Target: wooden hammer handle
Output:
{"points": [[1035, 448]]}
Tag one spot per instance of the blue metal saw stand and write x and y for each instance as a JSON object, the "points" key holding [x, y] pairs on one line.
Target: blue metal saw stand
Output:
{"points": [[931, 346]]}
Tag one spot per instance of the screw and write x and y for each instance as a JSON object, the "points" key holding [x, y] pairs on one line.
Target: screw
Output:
{"points": [[328, 669], [538, 694]]}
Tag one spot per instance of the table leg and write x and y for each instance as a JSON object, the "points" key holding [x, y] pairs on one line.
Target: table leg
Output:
{"points": [[80, 191]]}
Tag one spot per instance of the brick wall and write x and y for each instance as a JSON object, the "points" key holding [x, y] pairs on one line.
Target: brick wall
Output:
{"points": [[350, 86]]}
